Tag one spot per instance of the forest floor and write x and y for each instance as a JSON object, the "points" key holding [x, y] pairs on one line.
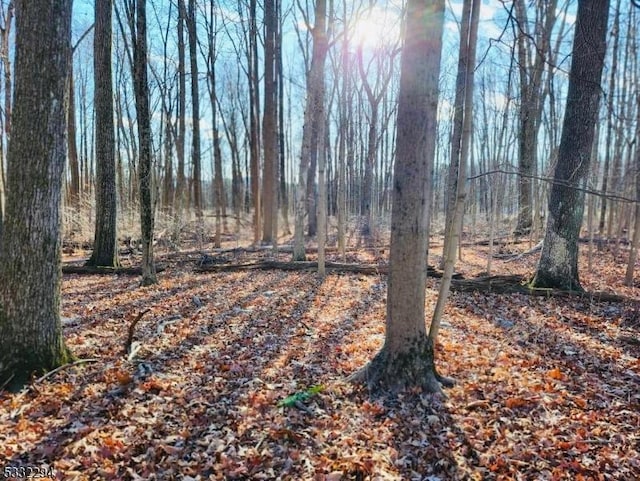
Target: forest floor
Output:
{"points": [[547, 388]]}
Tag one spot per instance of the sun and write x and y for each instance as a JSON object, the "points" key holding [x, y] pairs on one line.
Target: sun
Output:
{"points": [[377, 28]]}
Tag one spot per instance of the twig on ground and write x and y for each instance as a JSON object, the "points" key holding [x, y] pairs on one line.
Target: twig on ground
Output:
{"points": [[64, 366]]}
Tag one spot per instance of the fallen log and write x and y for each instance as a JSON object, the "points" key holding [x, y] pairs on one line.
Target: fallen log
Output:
{"points": [[368, 269], [513, 257], [516, 284], [93, 270]]}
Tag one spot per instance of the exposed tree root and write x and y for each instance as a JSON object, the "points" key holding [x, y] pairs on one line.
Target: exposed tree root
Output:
{"points": [[397, 372], [515, 284]]}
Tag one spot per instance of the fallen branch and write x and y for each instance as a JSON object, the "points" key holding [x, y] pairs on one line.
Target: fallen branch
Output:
{"points": [[293, 266], [514, 257], [368, 269], [516, 284], [64, 366], [92, 270], [132, 327]]}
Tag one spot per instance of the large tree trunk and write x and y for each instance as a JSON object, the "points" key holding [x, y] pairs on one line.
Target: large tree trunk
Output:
{"points": [[558, 265], [30, 330], [406, 359], [141, 88], [105, 250], [312, 113]]}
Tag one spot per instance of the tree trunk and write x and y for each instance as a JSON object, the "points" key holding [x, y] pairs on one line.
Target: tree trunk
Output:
{"points": [[558, 265], [635, 243], [195, 117], [74, 169], [531, 103], [30, 330], [313, 110], [180, 196], [322, 197], [406, 359], [141, 88], [458, 116], [270, 128], [454, 227], [105, 249], [254, 116], [284, 197], [615, 34]]}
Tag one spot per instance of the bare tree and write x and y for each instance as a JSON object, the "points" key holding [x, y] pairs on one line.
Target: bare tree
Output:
{"points": [[558, 265], [532, 49], [312, 119], [195, 115], [270, 127], [374, 94], [105, 250], [406, 359], [145, 172]]}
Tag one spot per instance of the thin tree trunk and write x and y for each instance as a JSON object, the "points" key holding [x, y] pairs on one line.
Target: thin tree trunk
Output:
{"points": [[452, 239], [284, 197], [254, 112], [180, 196], [615, 34], [270, 128], [195, 118], [141, 88]]}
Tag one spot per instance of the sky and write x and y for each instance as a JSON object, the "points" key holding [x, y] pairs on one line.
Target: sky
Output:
{"points": [[379, 26]]}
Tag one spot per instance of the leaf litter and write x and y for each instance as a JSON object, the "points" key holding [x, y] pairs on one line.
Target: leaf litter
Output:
{"points": [[240, 375]]}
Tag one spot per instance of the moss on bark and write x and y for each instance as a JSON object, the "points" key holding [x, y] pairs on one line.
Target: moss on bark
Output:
{"points": [[21, 361]]}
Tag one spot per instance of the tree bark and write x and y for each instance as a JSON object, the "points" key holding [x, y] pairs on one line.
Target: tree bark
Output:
{"points": [[105, 250], [406, 359], [30, 330], [141, 90], [558, 265]]}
